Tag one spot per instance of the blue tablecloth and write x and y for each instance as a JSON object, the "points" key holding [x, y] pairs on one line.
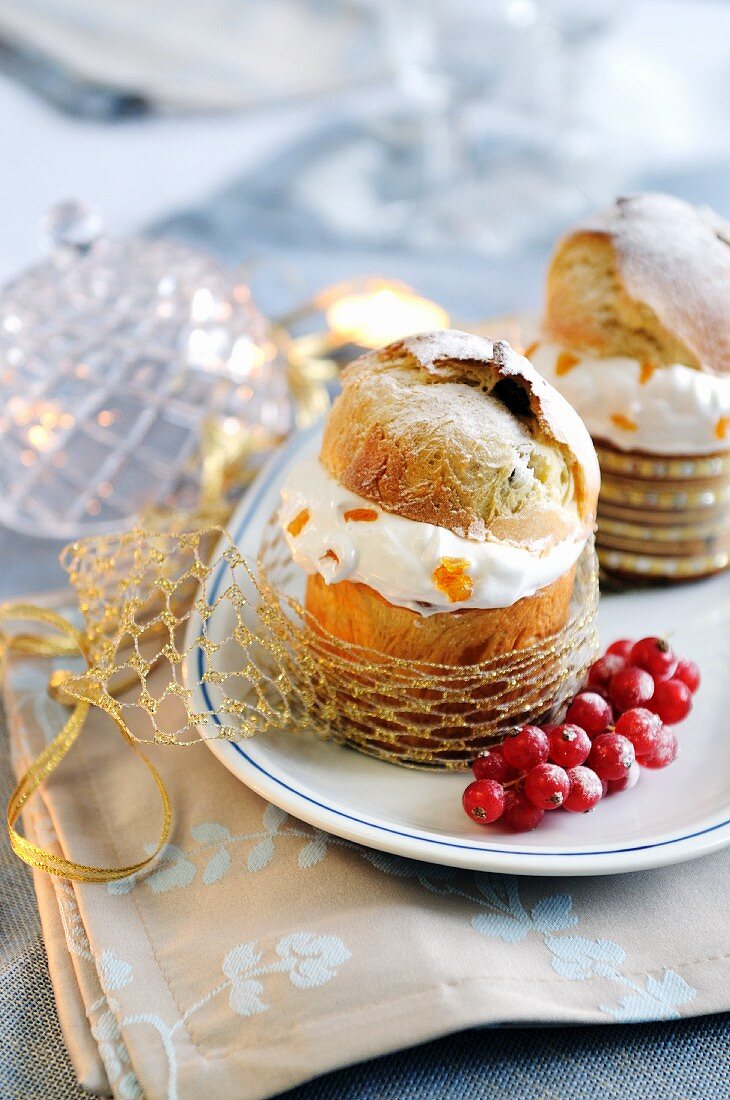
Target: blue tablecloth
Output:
{"points": [[682, 1060]]}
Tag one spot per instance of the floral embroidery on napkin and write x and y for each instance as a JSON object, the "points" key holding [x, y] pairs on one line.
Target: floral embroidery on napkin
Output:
{"points": [[114, 974], [575, 957], [309, 960], [502, 914]]}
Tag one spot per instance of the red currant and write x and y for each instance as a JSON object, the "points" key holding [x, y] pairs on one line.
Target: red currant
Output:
{"points": [[656, 656], [631, 687], [604, 669], [665, 752], [672, 701], [611, 756], [630, 780], [569, 745], [586, 790], [519, 813], [547, 786], [688, 672], [490, 764], [642, 727], [591, 712], [525, 748], [604, 690], [483, 801], [621, 648]]}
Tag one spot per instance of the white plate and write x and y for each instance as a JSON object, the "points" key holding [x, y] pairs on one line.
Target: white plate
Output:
{"points": [[672, 815]]}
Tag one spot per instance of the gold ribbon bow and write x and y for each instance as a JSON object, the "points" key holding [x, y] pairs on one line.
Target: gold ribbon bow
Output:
{"points": [[69, 643]]}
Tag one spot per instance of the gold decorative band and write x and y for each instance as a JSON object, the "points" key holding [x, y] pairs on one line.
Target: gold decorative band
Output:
{"points": [[651, 495], [661, 568], [661, 517], [691, 467]]}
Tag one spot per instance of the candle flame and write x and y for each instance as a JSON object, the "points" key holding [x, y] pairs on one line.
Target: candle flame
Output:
{"points": [[380, 313]]}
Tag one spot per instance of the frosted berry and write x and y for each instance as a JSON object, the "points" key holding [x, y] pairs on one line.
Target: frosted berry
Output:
{"points": [[665, 752], [490, 764], [591, 712], [656, 656], [631, 687], [483, 801], [642, 727], [604, 669], [688, 672], [586, 790], [547, 786], [621, 648], [520, 815], [672, 701], [630, 780], [611, 756], [569, 745], [525, 748]]}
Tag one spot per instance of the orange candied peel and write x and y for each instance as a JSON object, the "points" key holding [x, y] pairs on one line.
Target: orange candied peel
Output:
{"points": [[299, 522], [332, 556], [451, 578], [622, 421], [647, 371], [531, 349], [722, 427], [565, 362], [361, 515]]}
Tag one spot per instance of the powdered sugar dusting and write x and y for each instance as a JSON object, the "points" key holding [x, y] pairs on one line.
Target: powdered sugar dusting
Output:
{"points": [[558, 420], [675, 258]]}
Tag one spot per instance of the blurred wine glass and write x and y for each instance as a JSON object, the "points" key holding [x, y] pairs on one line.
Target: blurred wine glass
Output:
{"points": [[486, 141]]}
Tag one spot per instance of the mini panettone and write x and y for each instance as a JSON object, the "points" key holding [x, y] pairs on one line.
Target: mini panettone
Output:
{"points": [[453, 495], [636, 335]]}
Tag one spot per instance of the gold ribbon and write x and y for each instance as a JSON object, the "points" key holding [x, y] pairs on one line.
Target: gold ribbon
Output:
{"points": [[83, 695]]}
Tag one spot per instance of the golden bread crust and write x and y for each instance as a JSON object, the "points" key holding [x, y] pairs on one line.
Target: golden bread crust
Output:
{"points": [[450, 429], [357, 614], [648, 278]]}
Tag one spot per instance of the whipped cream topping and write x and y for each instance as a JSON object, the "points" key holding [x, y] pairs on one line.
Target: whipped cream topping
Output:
{"points": [[669, 410], [424, 568]]}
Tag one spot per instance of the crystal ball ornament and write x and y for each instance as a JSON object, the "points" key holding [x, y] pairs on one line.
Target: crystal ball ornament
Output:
{"points": [[116, 356]]}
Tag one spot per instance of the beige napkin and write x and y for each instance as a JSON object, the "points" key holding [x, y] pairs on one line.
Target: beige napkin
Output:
{"points": [[259, 952]]}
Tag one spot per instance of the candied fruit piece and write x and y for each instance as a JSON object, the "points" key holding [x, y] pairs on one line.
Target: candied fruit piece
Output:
{"points": [[332, 556], [722, 427], [647, 371], [531, 349], [299, 522], [565, 362], [622, 421], [361, 515], [451, 578]]}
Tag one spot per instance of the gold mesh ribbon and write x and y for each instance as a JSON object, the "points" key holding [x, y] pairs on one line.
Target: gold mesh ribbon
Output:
{"points": [[184, 640]]}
